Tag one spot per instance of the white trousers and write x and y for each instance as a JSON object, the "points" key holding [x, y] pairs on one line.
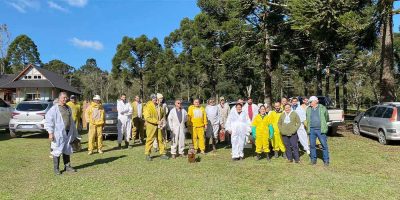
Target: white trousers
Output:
{"points": [[303, 137], [124, 129], [178, 142], [238, 140]]}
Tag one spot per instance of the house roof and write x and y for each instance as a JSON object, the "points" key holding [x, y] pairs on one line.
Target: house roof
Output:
{"points": [[6, 78], [52, 80]]}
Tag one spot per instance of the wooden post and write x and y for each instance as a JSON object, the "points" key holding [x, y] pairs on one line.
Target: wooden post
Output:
{"points": [[52, 93], [37, 93]]}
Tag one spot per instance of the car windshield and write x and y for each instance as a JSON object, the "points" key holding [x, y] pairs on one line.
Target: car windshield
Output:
{"points": [[32, 107], [110, 108]]}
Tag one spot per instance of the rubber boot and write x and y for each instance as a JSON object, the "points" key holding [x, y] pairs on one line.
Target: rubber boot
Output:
{"points": [[126, 144], [258, 157], [56, 163], [214, 143], [67, 164]]}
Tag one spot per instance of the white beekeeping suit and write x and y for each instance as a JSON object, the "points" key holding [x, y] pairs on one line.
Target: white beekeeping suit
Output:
{"points": [[124, 121], [178, 130], [213, 117], [238, 124], [302, 133]]}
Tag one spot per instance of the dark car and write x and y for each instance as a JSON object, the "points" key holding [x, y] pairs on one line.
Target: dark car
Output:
{"points": [[110, 126]]}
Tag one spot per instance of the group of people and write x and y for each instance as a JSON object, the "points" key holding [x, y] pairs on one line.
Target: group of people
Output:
{"points": [[281, 128]]}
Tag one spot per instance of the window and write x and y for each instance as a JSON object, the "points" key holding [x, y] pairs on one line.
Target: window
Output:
{"points": [[32, 96], [370, 111], [34, 77], [32, 106], [379, 112], [3, 104], [39, 77], [388, 113]]}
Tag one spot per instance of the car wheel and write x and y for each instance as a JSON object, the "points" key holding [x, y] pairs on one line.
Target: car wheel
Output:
{"points": [[13, 134], [356, 129], [382, 137]]}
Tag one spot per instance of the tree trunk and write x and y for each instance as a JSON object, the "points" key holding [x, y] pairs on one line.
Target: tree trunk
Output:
{"points": [[387, 81], [141, 85], [319, 74], [267, 69], [327, 82], [337, 89], [344, 83]]}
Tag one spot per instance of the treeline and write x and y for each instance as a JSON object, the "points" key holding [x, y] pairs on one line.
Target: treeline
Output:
{"points": [[345, 49]]}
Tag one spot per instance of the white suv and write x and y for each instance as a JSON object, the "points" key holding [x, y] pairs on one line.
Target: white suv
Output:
{"points": [[29, 117], [5, 114]]}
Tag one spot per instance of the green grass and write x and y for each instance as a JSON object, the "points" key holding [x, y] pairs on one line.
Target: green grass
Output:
{"points": [[360, 168]]}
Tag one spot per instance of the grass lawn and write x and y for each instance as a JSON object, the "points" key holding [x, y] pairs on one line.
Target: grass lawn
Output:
{"points": [[360, 168]]}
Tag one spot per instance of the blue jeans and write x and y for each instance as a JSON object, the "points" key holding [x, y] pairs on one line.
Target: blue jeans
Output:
{"points": [[314, 133]]}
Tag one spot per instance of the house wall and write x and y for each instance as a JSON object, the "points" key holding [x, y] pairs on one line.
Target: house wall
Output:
{"points": [[45, 94]]}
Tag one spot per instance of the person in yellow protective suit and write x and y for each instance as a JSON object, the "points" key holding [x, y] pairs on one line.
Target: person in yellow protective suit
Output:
{"points": [[96, 117], [153, 114], [277, 142], [261, 124], [189, 124], [137, 120], [198, 119], [76, 111]]}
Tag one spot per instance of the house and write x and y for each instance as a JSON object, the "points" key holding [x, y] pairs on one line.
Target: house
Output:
{"points": [[33, 83]]}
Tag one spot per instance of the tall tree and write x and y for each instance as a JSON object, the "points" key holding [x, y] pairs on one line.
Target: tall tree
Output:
{"points": [[91, 78], [135, 56], [387, 80], [5, 38], [21, 52]]}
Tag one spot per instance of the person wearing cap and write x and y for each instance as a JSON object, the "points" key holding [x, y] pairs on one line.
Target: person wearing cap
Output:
{"points": [[76, 110], [62, 132], [124, 125], [162, 105], [137, 120], [276, 141], [317, 126], [153, 115], [213, 117], [223, 109], [96, 118], [198, 119]]}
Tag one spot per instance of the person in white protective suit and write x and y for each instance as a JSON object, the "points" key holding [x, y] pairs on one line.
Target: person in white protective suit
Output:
{"points": [[177, 119], [301, 132], [124, 120], [213, 118], [238, 124], [62, 132]]}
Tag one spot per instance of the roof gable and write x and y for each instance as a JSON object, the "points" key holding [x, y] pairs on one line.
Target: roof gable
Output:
{"points": [[47, 79]]}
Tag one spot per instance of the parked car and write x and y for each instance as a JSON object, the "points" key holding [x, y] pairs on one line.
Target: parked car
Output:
{"points": [[336, 116], [110, 126], [381, 121], [5, 114], [29, 117]]}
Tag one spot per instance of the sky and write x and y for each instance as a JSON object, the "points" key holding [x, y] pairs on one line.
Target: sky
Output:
{"points": [[75, 30]]}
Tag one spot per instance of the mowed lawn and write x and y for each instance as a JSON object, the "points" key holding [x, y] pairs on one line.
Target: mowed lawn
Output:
{"points": [[360, 168]]}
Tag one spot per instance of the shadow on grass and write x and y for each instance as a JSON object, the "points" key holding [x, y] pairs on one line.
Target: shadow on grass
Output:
{"points": [[99, 162], [375, 139]]}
